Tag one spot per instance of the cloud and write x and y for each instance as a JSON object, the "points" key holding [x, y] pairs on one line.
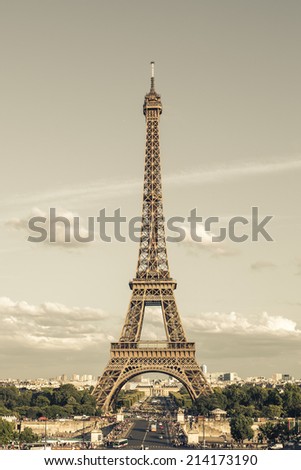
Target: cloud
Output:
{"points": [[120, 188], [50, 326], [238, 324], [260, 265], [232, 323], [63, 232], [261, 344], [251, 345], [73, 228], [153, 327], [207, 243], [216, 175], [51, 338]]}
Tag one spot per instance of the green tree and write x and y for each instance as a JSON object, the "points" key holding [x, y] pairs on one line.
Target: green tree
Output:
{"points": [[6, 432], [42, 401], [87, 398], [249, 410], [9, 396], [277, 432], [24, 398], [88, 410], [273, 397], [269, 431], [71, 401], [218, 399], [34, 412], [65, 392], [66, 400], [236, 396], [255, 395], [241, 428], [22, 411], [272, 411], [55, 411], [70, 410], [292, 400], [28, 436], [4, 411]]}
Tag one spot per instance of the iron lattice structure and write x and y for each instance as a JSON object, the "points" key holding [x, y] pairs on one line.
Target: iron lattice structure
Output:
{"points": [[152, 286]]}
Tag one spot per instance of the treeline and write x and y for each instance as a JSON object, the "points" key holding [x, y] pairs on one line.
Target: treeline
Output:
{"points": [[181, 398], [127, 398], [252, 401], [53, 403], [66, 401]]}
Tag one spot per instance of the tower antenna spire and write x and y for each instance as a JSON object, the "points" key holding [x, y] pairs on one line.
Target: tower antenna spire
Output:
{"points": [[152, 76]]}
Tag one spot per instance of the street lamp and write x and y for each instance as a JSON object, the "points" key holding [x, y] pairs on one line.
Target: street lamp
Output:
{"points": [[19, 428], [43, 418], [45, 440], [83, 435]]}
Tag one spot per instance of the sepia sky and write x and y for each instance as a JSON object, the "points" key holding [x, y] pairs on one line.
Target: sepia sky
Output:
{"points": [[73, 79]]}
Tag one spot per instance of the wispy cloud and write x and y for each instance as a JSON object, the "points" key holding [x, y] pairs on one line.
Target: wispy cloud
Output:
{"points": [[233, 171], [120, 188], [261, 265]]}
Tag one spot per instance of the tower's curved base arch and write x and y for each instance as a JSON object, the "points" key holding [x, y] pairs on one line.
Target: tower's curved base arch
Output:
{"points": [[121, 370]]}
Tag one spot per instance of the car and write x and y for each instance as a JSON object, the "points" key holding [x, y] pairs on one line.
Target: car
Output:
{"points": [[161, 437], [276, 446]]}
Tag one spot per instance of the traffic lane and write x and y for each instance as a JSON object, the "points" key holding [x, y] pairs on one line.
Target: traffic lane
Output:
{"points": [[137, 434], [141, 435]]}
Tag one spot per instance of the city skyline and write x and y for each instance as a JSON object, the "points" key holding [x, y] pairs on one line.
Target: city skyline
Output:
{"points": [[213, 376], [74, 140]]}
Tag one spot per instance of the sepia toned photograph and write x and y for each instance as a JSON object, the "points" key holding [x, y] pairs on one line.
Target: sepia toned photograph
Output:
{"points": [[150, 229]]}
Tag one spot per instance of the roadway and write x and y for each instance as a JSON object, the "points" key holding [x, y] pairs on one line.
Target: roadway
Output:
{"points": [[141, 437], [159, 410]]}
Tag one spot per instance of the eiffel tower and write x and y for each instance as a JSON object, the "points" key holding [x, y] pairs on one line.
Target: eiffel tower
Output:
{"points": [[152, 286]]}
